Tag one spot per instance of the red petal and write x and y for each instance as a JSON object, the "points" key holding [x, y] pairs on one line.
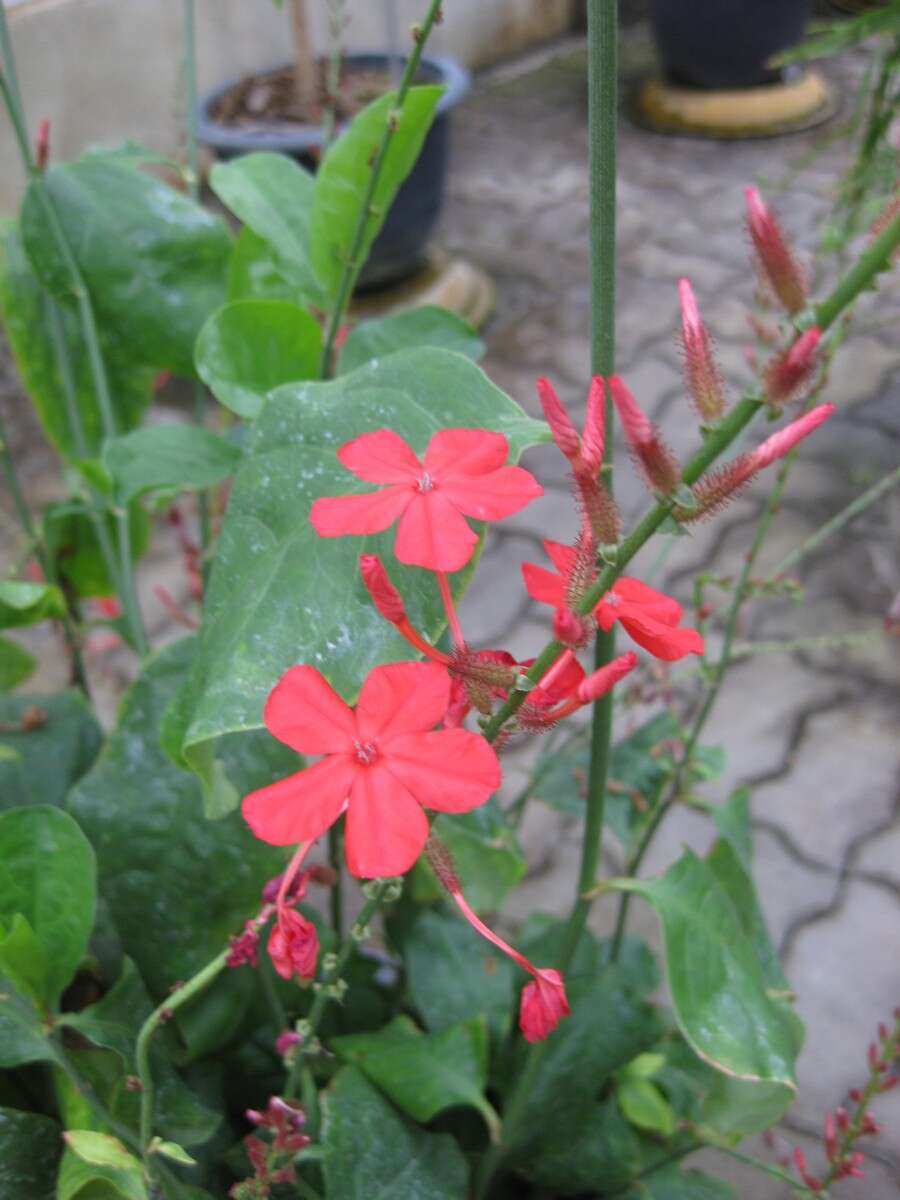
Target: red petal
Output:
{"points": [[386, 829], [432, 534], [451, 770], [493, 496], [454, 452], [663, 641], [306, 713], [381, 457], [562, 557], [301, 807], [335, 516], [661, 606], [402, 698], [543, 585]]}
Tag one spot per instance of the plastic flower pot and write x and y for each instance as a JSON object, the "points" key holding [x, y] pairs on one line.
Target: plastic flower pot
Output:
{"points": [[399, 250], [725, 44]]}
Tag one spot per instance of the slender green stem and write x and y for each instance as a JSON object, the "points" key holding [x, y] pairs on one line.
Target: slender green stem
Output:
{"points": [[325, 989], [354, 263], [159, 1016], [837, 522], [336, 858]]}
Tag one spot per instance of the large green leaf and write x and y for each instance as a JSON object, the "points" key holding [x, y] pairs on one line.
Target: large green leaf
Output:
{"points": [[424, 1073], [426, 326], [371, 1153], [16, 665], [177, 886], [28, 322], [344, 175], [153, 260], [254, 273], [252, 346], [29, 1150], [26, 603], [273, 195], [718, 985], [114, 1023], [487, 857], [40, 763], [48, 874], [279, 594], [175, 457]]}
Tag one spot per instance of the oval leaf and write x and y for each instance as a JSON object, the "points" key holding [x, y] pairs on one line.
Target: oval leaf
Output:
{"points": [[181, 457], [426, 326], [26, 603]]}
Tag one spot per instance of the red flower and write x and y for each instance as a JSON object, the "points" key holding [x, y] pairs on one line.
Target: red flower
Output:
{"points": [[543, 1004], [293, 946], [462, 475], [649, 617], [382, 762]]}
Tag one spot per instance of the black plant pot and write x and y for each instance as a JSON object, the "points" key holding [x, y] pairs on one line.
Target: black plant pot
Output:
{"points": [[718, 44], [399, 250]]}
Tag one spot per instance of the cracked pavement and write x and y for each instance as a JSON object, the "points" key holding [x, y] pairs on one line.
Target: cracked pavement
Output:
{"points": [[812, 731]]}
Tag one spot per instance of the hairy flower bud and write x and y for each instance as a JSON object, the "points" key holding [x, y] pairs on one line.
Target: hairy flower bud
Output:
{"points": [[779, 266], [572, 629], [384, 595], [651, 454], [702, 376], [593, 441], [788, 375], [564, 432]]}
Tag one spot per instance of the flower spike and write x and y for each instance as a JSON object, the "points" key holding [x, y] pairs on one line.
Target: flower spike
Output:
{"points": [[788, 374], [702, 375], [652, 455], [779, 266]]}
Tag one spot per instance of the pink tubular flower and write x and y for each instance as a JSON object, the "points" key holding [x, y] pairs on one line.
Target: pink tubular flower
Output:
{"points": [[651, 454], [382, 763], [463, 474], [293, 946], [779, 266], [649, 617], [787, 375], [565, 688], [701, 371]]}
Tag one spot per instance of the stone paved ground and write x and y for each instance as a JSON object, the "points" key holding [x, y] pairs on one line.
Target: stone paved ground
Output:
{"points": [[814, 732]]}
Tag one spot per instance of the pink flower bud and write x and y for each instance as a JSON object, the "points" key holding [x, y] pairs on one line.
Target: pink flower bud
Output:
{"points": [[543, 1004], [593, 442], [779, 266], [384, 595], [782, 442], [787, 375], [604, 680], [293, 946], [564, 432], [702, 376], [286, 1042], [441, 862], [650, 452], [571, 629]]}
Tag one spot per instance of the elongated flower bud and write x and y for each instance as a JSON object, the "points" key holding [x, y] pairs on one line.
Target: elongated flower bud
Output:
{"points": [[593, 441], [564, 432], [384, 595], [701, 372], [782, 442], [788, 374], [605, 678], [571, 629], [650, 452], [776, 259]]}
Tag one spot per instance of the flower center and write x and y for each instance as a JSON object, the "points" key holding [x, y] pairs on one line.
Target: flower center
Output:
{"points": [[366, 752], [612, 599], [426, 483]]}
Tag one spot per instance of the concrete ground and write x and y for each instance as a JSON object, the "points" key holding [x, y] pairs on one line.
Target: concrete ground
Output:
{"points": [[812, 730]]}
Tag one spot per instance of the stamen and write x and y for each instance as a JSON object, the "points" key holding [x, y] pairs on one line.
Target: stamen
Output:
{"points": [[366, 752], [426, 483]]}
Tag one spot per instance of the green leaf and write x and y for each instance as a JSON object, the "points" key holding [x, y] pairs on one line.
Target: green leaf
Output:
{"points": [[48, 874], [273, 195], [672, 1183], [117, 1167], [124, 226], [279, 594], [424, 1074], [644, 1105], [645, 1066], [718, 986], [22, 1030], [114, 1023], [173, 1151], [48, 758], [486, 854], [102, 1149], [29, 1151], [371, 1153], [145, 819], [254, 273], [26, 316], [733, 823], [453, 974], [248, 348], [178, 457], [71, 539], [23, 959], [26, 603], [426, 326], [16, 665], [842, 35], [344, 175]]}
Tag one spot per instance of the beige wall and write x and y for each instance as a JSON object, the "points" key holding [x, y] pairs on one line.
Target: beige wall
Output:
{"points": [[104, 70]]}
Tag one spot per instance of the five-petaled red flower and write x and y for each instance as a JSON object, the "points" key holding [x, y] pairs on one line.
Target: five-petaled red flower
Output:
{"points": [[383, 762], [463, 474], [649, 617]]}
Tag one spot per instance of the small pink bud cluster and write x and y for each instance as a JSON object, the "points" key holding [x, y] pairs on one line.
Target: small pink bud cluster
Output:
{"points": [[776, 259], [652, 456], [271, 1156]]}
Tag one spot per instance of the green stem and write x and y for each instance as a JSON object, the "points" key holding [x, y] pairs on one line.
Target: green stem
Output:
{"points": [[325, 986], [336, 858], [353, 264], [161, 1014]]}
